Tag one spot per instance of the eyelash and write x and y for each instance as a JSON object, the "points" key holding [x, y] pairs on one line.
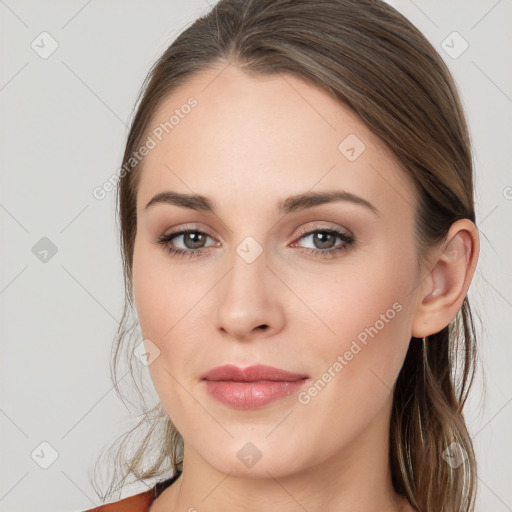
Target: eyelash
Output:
{"points": [[347, 240]]}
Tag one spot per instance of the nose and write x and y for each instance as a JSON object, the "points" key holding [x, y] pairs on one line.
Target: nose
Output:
{"points": [[249, 300]]}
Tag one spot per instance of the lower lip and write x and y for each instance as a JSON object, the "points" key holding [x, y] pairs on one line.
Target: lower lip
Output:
{"points": [[250, 395]]}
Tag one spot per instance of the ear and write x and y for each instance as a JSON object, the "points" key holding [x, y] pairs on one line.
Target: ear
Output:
{"points": [[444, 288]]}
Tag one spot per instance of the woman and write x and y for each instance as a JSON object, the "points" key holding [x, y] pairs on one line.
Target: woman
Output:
{"points": [[298, 234]]}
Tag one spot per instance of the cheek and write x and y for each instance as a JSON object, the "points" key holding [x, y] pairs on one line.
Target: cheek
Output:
{"points": [[357, 366], [163, 304], [358, 294], [167, 305], [367, 312], [160, 296]]}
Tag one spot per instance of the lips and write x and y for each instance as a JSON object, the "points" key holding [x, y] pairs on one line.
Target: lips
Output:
{"points": [[252, 387], [251, 374]]}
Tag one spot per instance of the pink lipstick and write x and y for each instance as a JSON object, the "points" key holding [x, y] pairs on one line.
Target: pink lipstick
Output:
{"points": [[251, 387]]}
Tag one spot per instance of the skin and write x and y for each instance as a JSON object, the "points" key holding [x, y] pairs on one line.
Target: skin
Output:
{"points": [[250, 142]]}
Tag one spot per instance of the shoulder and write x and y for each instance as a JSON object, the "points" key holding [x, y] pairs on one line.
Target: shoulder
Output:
{"points": [[138, 503]]}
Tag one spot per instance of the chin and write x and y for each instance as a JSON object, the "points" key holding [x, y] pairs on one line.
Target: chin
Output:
{"points": [[244, 458]]}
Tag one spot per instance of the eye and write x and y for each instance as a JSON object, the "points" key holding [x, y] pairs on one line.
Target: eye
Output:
{"points": [[192, 242], [324, 241]]}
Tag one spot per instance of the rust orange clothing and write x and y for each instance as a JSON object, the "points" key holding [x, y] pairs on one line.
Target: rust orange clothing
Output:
{"points": [[139, 502]]}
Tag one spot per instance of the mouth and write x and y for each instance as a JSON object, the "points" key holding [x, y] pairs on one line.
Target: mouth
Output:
{"points": [[251, 387]]}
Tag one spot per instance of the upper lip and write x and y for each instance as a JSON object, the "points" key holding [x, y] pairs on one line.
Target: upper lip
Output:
{"points": [[257, 372]]}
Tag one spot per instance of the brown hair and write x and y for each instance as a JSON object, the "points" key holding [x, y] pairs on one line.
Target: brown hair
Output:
{"points": [[375, 62]]}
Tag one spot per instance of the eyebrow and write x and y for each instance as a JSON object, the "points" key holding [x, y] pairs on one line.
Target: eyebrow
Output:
{"points": [[288, 205]]}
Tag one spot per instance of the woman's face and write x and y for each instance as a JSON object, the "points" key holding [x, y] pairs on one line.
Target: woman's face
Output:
{"points": [[325, 289]]}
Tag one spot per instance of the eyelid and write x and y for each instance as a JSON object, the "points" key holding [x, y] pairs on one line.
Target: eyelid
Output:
{"points": [[304, 230], [317, 227], [190, 227], [344, 234]]}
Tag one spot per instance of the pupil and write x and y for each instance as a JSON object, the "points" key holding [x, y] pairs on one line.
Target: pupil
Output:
{"points": [[320, 240], [195, 244]]}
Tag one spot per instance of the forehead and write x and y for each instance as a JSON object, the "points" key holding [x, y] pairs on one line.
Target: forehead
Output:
{"points": [[252, 139]]}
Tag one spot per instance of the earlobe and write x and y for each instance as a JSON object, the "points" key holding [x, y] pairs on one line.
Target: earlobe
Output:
{"points": [[447, 283]]}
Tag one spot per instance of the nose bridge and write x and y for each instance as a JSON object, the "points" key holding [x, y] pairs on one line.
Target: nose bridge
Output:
{"points": [[247, 279], [245, 301]]}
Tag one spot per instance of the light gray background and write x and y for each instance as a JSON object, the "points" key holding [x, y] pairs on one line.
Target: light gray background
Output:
{"points": [[62, 132]]}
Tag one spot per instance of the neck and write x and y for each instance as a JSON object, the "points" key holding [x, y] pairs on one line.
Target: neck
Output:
{"points": [[354, 479]]}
